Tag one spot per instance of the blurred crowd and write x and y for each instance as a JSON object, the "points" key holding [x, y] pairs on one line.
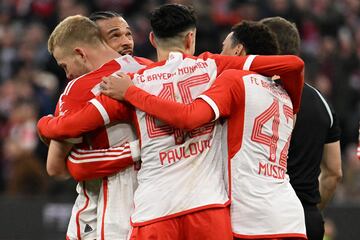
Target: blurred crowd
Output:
{"points": [[30, 80]]}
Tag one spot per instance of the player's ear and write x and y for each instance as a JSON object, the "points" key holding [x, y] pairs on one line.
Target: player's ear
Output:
{"points": [[190, 40], [240, 49], [152, 39], [79, 52]]}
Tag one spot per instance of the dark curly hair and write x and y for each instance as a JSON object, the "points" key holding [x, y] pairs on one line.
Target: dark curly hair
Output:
{"points": [[255, 37], [171, 19]]}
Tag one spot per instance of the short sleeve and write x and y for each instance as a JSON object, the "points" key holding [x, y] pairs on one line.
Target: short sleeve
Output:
{"points": [[334, 132]]}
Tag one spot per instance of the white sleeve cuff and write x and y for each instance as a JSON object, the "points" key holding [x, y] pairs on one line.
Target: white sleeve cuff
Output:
{"points": [[212, 105], [135, 150], [248, 62], [101, 110]]}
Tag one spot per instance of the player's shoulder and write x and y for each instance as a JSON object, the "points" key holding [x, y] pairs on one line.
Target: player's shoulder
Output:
{"points": [[313, 95], [232, 74], [152, 66], [143, 61], [130, 64], [90, 79], [235, 80], [206, 55]]}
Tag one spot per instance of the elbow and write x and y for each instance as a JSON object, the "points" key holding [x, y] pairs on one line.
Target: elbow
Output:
{"points": [[338, 176], [55, 172], [297, 63], [68, 131], [189, 125], [78, 174], [184, 122], [51, 171]]}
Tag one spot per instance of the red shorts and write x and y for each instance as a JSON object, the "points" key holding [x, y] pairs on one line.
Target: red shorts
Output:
{"points": [[209, 224]]}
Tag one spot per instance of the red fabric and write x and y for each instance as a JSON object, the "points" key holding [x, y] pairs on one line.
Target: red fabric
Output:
{"points": [[74, 98], [143, 61], [182, 116], [85, 165], [193, 226], [289, 68], [228, 92], [79, 91], [85, 120]]}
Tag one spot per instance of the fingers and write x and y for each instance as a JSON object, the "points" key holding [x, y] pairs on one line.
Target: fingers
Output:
{"points": [[115, 86], [105, 80], [121, 74], [106, 86], [103, 86]]}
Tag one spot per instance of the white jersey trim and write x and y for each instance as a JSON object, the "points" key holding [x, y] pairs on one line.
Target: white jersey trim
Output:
{"points": [[326, 105], [212, 105], [102, 151], [248, 62], [135, 150], [102, 110], [98, 159], [99, 155]]}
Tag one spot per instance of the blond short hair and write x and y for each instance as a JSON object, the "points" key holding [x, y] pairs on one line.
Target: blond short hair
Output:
{"points": [[72, 30]]}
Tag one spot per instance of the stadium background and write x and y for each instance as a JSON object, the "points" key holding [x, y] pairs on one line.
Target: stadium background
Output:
{"points": [[34, 206]]}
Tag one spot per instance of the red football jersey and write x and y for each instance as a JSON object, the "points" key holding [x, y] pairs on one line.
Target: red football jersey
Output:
{"points": [[84, 163], [206, 68], [256, 147]]}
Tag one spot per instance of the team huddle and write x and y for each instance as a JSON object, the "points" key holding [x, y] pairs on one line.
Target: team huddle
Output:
{"points": [[187, 147]]}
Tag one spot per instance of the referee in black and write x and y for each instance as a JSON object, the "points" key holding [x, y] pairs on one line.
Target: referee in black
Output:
{"points": [[314, 163]]}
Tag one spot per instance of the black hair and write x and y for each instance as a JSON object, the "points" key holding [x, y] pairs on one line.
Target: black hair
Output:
{"points": [[256, 38], [102, 15], [171, 19]]}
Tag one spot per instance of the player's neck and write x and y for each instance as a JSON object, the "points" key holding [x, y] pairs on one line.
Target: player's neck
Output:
{"points": [[104, 55], [163, 54]]}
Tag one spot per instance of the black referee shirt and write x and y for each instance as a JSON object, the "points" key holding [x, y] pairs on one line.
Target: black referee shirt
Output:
{"points": [[316, 125]]}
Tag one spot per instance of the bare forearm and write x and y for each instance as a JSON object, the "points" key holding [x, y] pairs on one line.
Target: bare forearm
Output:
{"points": [[327, 188], [331, 172], [55, 165]]}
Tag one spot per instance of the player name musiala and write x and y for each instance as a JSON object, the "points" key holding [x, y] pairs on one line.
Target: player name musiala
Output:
{"points": [[270, 170]]}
